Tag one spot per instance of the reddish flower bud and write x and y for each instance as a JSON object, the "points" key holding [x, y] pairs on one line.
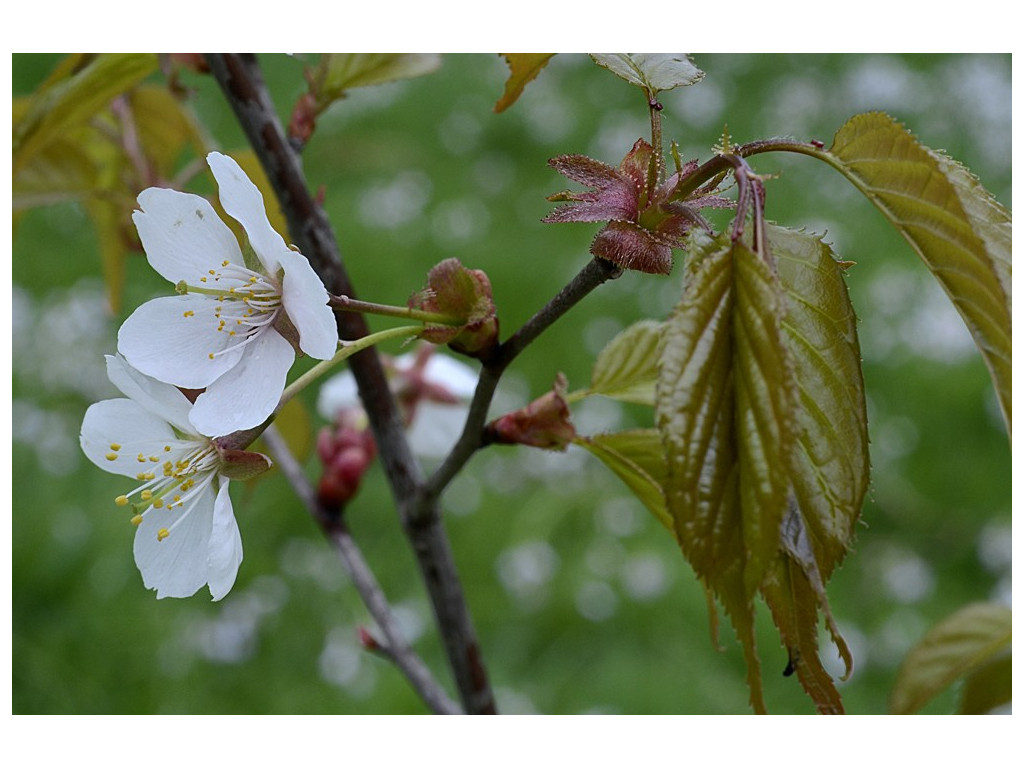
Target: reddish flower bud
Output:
{"points": [[346, 450], [544, 423], [303, 120]]}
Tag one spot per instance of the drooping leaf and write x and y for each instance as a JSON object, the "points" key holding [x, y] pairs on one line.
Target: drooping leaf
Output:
{"points": [[68, 102], [962, 234], [627, 368], [523, 67], [832, 468], [723, 419], [957, 646], [339, 72], [651, 71], [988, 687], [761, 409], [638, 459]]}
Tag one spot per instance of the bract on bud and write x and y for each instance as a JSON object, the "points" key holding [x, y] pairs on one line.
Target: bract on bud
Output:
{"points": [[544, 423], [241, 465], [464, 297]]}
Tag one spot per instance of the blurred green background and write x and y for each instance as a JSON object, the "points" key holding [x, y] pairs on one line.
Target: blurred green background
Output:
{"points": [[581, 600]]}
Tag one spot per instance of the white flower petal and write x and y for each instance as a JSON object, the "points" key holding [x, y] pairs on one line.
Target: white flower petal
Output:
{"points": [[130, 427], [176, 566], [182, 234], [244, 203], [225, 550], [458, 378], [247, 394], [436, 428], [164, 400], [336, 394], [161, 339], [305, 302]]}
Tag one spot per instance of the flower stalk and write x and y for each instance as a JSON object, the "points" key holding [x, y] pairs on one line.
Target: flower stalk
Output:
{"points": [[348, 348]]}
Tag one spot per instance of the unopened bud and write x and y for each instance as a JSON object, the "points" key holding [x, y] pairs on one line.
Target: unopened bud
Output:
{"points": [[544, 423]]}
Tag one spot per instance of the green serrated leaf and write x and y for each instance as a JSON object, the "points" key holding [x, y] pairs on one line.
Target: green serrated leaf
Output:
{"points": [[627, 368], [957, 646], [66, 103], [653, 72], [523, 67], [638, 459], [339, 72], [962, 234]]}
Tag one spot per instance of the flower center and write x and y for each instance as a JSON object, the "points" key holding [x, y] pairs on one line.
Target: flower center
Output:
{"points": [[247, 302], [170, 479]]}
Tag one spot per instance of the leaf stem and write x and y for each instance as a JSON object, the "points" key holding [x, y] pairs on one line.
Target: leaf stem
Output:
{"points": [[348, 304]]}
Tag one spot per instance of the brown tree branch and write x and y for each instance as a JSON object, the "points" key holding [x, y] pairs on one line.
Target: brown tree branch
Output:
{"points": [[395, 647], [239, 78]]}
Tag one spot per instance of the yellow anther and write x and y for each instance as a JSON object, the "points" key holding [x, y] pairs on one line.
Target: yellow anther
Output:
{"points": [[213, 272], [111, 456], [115, 446], [225, 263], [167, 449], [202, 279], [147, 495], [141, 459], [253, 279], [121, 501], [136, 520], [231, 333], [211, 355], [177, 498], [158, 503], [189, 313], [154, 459], [162, 534]]}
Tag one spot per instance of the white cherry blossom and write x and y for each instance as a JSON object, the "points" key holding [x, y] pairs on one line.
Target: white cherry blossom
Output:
{"points": [[234, 329], [186, 535]]}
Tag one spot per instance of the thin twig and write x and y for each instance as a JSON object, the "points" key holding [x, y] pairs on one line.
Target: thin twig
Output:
{"points": [[239, 78], [596, 272], [333, 526]]}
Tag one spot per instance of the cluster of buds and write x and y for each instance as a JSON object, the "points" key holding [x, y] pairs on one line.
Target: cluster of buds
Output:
{"points": [[346, 449]]}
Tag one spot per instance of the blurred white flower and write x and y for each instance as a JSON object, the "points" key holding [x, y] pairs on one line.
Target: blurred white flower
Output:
{"points": [[232, 331], [433, 390]]}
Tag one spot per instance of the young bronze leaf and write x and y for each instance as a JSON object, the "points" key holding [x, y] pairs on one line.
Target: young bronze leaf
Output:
{"points": [[725, 398], [958, 645], [637, 457], [831, 466], [957, 228], [523, 67], [627, 368]]}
